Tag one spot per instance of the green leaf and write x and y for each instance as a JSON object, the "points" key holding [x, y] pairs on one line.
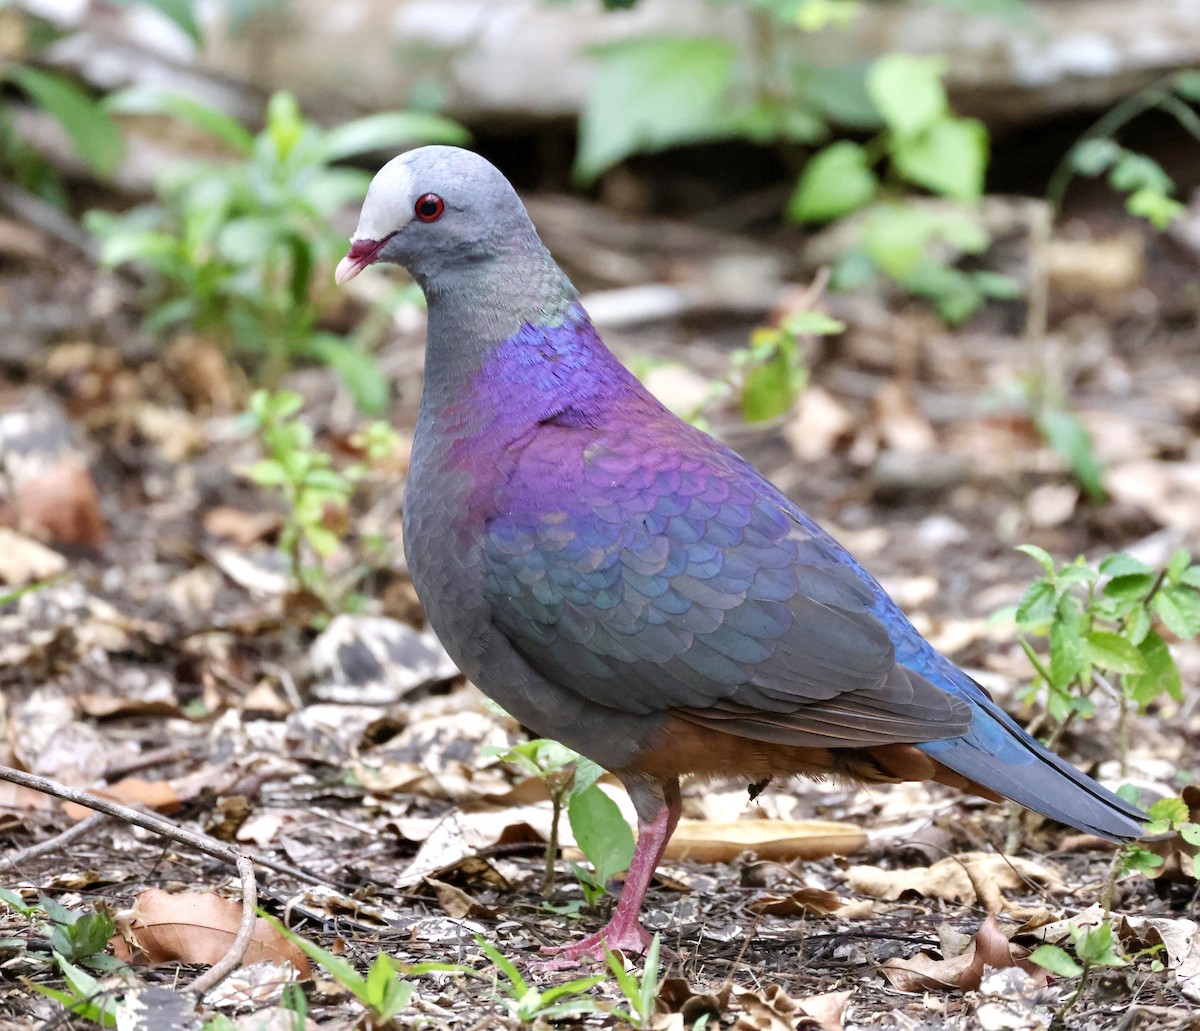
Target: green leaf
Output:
{"points": [[145, 100], [586, 773], [1178, 606], [1122, 564], [949, 158], [1040, 555], [601, 832], [1037, 606], [1188, 85], [908, 91], [1094, 156], [1066, 653], [652, 93], [1131, 587], [358, 370], [1067, 435], [1057, 961], [836, 181], [768, 390], [1112, 652], [816, 323], [1139, 172], [1169, 812], [1178, 563], [1161, 675], [1097, 946], [95, 135], [390, 130], [1155, 207], [1129, 793]]}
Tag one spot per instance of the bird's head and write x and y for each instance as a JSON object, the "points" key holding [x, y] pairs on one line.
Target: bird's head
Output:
{"points": [[435, 208]]}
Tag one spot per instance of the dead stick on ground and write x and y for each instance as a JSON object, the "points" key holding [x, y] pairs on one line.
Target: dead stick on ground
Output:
{"points": [[160, 825], [71, 834]]}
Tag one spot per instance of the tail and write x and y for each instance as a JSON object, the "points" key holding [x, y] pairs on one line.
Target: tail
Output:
{"points": [[999, 755]]}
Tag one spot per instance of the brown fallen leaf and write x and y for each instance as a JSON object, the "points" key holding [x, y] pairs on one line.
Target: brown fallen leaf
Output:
{"points": [[676, 996], [989, 948], [23, 560], [154, 794], [705, 841], [802, 902], [773, 1009], [456, 902], [241, 527], [46, 489], [973, 877], [197, 927]]}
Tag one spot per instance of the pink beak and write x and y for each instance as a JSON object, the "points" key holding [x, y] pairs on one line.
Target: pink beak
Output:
{"points": [[361, 254]]}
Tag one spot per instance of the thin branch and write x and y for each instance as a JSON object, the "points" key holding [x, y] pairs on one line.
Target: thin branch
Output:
{"points": [[217, 973], [139, 818], [164, 827], [67, 837]]}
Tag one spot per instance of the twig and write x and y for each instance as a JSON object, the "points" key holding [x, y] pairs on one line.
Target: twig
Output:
{"points": [[71, 834], [159, 825], [217, 973]]}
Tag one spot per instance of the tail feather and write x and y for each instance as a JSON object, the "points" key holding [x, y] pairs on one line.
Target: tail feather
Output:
{"points": [[999, 755]]}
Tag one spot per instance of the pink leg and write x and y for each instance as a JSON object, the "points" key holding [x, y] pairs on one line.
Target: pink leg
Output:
{"points": [[625, 931]]}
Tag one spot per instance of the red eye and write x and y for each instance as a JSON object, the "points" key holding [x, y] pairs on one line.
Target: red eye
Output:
{"points": [[429, 208]]}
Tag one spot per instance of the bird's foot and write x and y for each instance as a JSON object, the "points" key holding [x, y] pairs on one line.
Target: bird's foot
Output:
{"points": [[629, 937]]}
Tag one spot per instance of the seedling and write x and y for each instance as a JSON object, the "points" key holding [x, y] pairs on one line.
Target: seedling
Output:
{"points": [[1149, 189], [311, 488], [529, 1004], [1102, 631], [1094, 947], [77, 937], [76, 940], [243, 250], [381, 991], [1167, 815], [639, 991], [599, 828]]}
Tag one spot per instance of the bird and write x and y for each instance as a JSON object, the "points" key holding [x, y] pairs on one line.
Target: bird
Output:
{"points": [[624, 583]]}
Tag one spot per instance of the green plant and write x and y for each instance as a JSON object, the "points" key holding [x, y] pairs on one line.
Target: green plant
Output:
{"points": [[639, 991], [559, 768], [603, 837], [1167, 815], [1106, 621], [1094, 947], [652, 93], [76, 940], [311, 488], [529, 1004], [599, 828], [78, 937], [244, 249], [767, 376], [1149, 188], [524, 1002], [381, 991], [922, 145], [93, 134]]}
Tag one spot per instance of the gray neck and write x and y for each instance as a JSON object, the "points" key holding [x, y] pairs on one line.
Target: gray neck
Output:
{"points": [[477, 304]]}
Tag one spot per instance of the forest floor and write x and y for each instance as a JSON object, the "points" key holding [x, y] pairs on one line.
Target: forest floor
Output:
{"points": [[170, 663]]}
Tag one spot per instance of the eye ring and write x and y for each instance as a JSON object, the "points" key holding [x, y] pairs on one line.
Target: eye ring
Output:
{"points": [[429, 207]]}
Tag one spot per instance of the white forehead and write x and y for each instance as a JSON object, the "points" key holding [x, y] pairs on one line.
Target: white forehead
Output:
{"points": [[389, 201]]}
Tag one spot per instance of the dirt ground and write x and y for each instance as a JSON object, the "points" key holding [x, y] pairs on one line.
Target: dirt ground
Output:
{"points": [[169, 663]]}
